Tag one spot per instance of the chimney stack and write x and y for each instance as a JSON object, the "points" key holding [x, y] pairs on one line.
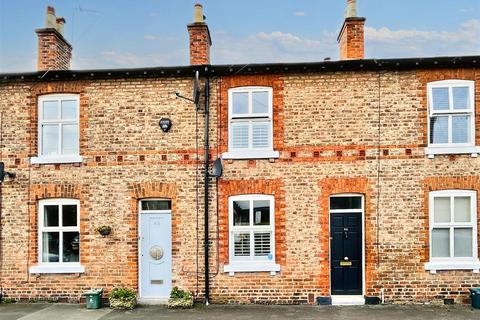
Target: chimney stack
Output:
{"points": [[351, 38], [200, 40], [54, 51]]}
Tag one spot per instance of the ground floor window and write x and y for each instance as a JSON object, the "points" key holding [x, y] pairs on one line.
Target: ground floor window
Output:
{"points": [[58, 236], [453, 230], [251, 234]]}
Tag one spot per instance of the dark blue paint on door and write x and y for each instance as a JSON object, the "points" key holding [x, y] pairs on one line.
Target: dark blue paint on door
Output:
{"points": [[346, 253]]}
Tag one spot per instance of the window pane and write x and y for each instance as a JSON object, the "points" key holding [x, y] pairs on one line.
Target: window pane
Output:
{"points": [[441, 209], [69, 109], [241, 244], [462, 242], [240, 102], [345, 203], [460, 98], [260, 102], [70, 139], [260, 134], [461, 129], [441, 243], [69, 215], [462, 209], [50, 243], [71, 246], [50, 110], [239, 137], [50, 139], [156, 205], [241, 213], [438, 129], [440, 98], [50, 216], [262, 243], [261, 212]]}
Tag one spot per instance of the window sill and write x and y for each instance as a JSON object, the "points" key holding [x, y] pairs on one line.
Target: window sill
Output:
{"points": [[56, 159], [432, 151], [251, 267], [435, 266], [251, 154], [57, 269]]}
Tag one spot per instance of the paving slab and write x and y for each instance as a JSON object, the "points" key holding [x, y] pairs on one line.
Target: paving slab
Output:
{"points": [[51, 311], [250, 312]]}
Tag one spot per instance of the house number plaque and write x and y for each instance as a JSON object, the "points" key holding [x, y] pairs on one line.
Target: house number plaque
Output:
{"points": [[156, 252], [345, 263]]}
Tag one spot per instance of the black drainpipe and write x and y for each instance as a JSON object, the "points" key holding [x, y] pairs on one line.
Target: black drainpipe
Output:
{"points": [[206, 184]]}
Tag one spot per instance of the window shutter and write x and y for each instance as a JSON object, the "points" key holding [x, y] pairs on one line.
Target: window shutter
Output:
{"points": [[262, 243], [240, 135], [241, 244], [260, 134]]}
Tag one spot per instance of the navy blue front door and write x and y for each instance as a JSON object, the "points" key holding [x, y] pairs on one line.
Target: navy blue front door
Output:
{"points": [[346, 253]]}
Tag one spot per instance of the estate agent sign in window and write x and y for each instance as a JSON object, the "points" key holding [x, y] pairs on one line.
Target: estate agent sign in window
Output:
{"points": [[453, 230], [58, 129], [251, 234], [58, 237], [451, 122], [250, 126]]}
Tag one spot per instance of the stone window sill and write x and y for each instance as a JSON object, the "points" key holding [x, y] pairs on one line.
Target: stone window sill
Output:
{"points": [[435, 266], [56, 159], [251, 267], [251, 154], [430, 152], [60, 268]]}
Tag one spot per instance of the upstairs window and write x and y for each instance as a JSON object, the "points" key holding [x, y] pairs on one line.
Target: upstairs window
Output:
{"points": [[250, 130], [451, 116], [58, 128], [453, 230], [252, 234]]}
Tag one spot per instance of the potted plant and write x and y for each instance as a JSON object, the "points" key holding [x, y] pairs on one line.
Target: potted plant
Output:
{"points": [[180, 299], [122, 298], [104, 230]]}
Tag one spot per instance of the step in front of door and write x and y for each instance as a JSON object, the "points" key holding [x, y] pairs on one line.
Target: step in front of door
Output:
{"points": [[347, 300]]}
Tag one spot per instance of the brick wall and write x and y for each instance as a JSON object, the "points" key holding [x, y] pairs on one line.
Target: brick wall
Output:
{"points": [[342, 132], [54, 52]]}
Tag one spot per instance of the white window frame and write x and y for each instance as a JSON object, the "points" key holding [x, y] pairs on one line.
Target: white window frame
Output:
{"points": [[58, 158], [251, 263], [452, 148], [56, 267], [454, 263], [250, 153]]}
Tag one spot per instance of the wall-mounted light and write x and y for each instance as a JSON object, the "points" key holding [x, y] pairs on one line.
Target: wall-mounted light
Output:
{"points": [[165, 124]]}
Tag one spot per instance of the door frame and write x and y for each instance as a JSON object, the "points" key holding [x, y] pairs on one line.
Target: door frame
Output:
{"points": [[362, 213], [139, 241]]}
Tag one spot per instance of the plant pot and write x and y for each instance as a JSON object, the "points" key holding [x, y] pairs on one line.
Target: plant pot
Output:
{"points": [[180, 303], [122, 303]]}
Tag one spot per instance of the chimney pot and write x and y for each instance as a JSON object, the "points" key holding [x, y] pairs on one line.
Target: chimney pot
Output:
{"points": [[60, 25], [198, 16], [351, 9], [51, 20]]}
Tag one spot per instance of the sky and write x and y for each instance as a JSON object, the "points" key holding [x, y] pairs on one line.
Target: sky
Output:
{"points": [[143, 33]]}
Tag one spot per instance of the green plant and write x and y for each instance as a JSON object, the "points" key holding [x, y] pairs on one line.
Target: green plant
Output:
{"points": [[122, 293], [104, 230], [180, 294]]}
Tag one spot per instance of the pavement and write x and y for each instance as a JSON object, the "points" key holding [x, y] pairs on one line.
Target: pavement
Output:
{"points": [[38, 311]]}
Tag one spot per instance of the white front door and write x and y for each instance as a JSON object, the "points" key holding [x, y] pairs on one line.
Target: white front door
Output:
{"points": [[155, 249]]}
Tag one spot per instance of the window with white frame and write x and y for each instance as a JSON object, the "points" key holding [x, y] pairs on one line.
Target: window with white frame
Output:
{"points": [[453, 230], [451, 117], [58, 129], [58, 236], [250, 128], [252, 234]]}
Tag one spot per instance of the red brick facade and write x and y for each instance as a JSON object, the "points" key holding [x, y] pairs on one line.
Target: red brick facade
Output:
{"points": [[54, 52], [352, 39]]}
